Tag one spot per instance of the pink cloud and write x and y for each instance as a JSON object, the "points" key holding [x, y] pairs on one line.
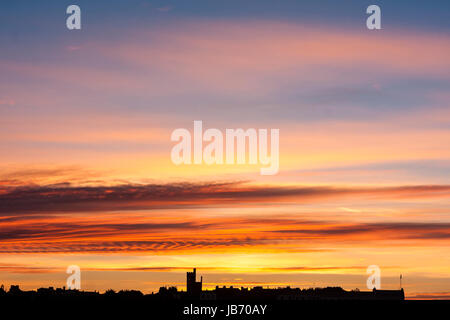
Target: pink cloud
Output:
{"points": [[7, 102], [165, 9], [73, 48], [242, 57]]}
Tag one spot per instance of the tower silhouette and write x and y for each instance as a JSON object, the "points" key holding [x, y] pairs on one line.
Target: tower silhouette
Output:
{"points": [[192, 286]]}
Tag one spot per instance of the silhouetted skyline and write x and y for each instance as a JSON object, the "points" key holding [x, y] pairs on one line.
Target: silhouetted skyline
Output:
{"points": [[194, 292]]}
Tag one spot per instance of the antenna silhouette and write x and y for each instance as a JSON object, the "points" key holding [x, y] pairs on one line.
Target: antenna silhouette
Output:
{"points": [[400, 281]]}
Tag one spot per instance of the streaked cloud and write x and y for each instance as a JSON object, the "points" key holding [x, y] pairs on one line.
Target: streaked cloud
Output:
{"points": [[126, 197]]}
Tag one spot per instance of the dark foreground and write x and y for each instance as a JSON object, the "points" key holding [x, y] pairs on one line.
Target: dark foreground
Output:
{"points": [[141, 308]]}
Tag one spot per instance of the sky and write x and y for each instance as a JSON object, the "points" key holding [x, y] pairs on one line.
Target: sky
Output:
{"points": [[86, 117]]}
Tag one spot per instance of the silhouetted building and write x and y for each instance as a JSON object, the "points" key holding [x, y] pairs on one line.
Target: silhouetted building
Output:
{"points": [[14, 289], [192, 286]]}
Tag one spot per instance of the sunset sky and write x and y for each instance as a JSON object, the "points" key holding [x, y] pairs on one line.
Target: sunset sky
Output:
{"points": [[86, 117]]}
